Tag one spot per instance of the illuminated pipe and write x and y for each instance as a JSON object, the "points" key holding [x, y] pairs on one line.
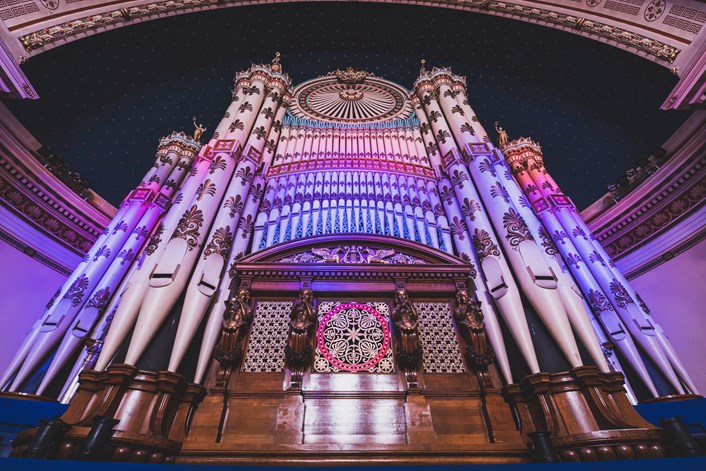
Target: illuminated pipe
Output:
{"points": [[358, 216], [442, 223], [60, 317], [570, 294], [138, 283], [240, 244], [464, 250], [612, 359], [101, 296], [100, 263], [537, 281], [262, 217], [212, 263], [492, 264], [171, 273], [228, 123], [597, 299], [632, 316]]}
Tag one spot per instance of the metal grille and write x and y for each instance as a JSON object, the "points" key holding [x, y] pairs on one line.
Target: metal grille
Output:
{"points": [[268, 337], [439, 340]]}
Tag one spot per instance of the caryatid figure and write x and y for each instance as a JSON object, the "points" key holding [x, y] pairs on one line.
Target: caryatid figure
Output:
{"points": [[469, 319], [302, 325], [406, 321], [236, 320]]}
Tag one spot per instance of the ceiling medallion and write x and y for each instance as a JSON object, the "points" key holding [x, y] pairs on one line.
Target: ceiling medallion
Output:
{"points": [[351, 94]]}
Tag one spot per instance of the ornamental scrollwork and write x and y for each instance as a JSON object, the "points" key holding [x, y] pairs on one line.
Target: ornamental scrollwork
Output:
{"points": [[100, 299], [598, 302], [155, 240], [622, 297], [354, 255], [77, 290]]}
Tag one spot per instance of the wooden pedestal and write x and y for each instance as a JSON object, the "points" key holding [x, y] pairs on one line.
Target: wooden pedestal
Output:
{"points": [[587, 413], [151, 408]]}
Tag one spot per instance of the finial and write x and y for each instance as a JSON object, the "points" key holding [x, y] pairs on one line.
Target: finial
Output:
{"points": [[275, 65], [502, 135], [422, 70]]}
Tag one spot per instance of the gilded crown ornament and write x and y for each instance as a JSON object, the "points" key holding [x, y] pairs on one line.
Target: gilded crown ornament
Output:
{"points": [[351, 75]]}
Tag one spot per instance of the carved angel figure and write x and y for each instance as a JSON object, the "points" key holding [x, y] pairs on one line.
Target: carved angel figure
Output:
{"points": [[376, 256], [468, 313], [469, 319], [329, 255], [303, 315], [405, 314], [302, 324]]}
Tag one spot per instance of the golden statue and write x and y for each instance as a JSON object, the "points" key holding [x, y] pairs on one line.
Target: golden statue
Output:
{"points": [[198, 132], [502, 135], [275, 66]]}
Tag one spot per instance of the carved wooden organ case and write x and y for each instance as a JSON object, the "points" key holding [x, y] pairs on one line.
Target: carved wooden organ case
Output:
{"points": [[347, 267]]}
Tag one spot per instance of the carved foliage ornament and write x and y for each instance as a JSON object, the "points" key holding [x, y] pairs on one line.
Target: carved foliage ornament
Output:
{"points": [[352, 254]]}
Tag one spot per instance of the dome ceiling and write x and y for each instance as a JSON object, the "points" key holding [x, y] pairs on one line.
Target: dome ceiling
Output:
{"points": [[107, 99]]}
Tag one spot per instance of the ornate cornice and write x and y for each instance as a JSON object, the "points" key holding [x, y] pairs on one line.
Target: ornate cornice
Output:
{"points": [[39, 199], [660, 204], [660, 41]]}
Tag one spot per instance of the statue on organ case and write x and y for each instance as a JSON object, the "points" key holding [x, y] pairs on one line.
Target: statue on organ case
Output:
{"points": [[406, 320], [302, 325], [469, 319], [236, 320]]}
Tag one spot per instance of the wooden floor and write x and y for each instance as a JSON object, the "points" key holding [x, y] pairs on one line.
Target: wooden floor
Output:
{"points": [[351, 419]]}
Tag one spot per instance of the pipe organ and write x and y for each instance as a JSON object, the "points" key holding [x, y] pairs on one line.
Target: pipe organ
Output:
{"points": [[381, 207]]}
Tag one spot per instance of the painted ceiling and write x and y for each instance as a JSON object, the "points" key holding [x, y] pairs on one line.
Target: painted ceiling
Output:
{"points": [[107, 99]]}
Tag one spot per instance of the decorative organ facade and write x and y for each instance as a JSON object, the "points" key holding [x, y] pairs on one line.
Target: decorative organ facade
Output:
{"points": [[422, 261]]}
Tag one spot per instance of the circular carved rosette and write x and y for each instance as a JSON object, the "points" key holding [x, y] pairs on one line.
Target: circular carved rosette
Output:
{"points": [[353, 337], [371, 100]]}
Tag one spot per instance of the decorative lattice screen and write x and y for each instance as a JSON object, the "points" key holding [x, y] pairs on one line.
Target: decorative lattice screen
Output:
{"points": [[439, 340], [268, 337]]}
